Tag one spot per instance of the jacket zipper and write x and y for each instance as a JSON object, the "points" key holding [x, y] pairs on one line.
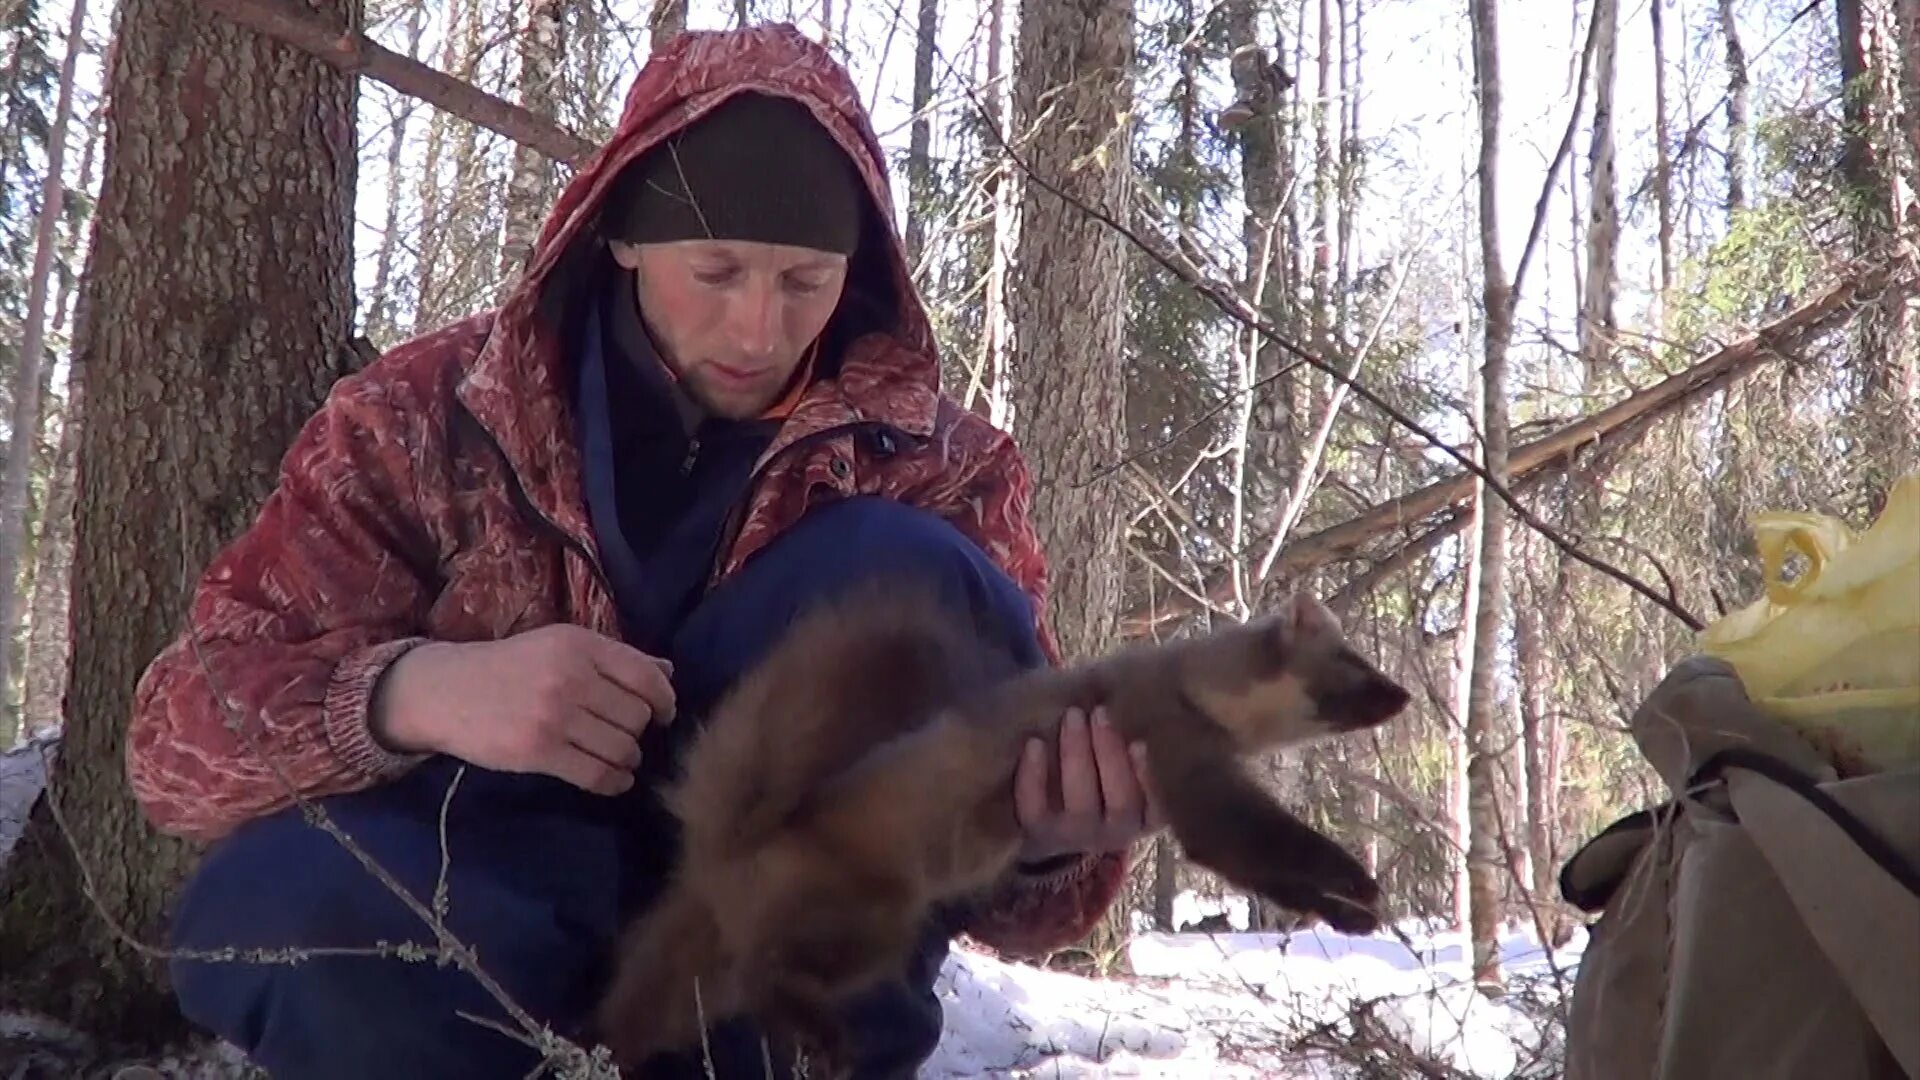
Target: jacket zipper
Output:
{"points": [[730, 531], [517, 492]]}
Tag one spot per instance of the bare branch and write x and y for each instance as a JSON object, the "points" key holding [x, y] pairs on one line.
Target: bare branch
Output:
{"points": [[355, 53]]}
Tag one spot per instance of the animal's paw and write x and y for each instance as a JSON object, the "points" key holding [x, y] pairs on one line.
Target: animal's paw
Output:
{"points": [[1349, 898]]}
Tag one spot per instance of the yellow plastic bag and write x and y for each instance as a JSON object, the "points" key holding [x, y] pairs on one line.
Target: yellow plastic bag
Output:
{"points": [[1835, 653]]}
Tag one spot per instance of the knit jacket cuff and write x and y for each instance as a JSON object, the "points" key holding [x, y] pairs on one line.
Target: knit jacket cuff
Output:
{"points": [[346, 711]]}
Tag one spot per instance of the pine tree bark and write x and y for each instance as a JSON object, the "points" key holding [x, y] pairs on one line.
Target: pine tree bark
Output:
{"points": [[25, 424], [1066, 298], [1859, 165], [1483, 849], [217, 301], [1459, 811]]}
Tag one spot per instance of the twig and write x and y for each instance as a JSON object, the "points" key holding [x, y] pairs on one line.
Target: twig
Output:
{"points": [[446, 851]]}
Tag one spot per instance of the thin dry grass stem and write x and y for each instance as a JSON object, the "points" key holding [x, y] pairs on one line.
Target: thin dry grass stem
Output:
{"points": [[440, 898]]}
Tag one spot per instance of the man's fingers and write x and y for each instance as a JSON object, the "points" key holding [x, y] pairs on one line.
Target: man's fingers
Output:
{"points": [[1079, 780], [647, 677], [1030, 784], [589, 773], [1155, 816], [1119, 792], [615, 704], [610, 743]]}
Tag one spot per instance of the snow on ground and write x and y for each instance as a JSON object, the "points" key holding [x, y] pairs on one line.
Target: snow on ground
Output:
{"points": [[1235, 1004], [23, 772]]}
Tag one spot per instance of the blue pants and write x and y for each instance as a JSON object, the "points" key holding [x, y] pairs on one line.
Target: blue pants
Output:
{"points": [[541, 877]]}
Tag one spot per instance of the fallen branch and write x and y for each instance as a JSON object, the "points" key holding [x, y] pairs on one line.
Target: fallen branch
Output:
{"points": [[354, 53], [1717, 371]]}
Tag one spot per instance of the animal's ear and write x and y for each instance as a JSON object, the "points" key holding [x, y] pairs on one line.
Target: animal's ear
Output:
{"points": [[1303, 617]]}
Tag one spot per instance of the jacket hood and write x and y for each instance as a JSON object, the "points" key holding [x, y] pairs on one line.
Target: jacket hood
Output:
{"points": [[693, 74], [517, 385]]}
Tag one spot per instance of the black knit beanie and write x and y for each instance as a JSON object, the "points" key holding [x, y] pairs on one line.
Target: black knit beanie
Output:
{"points": [[755, 168]]}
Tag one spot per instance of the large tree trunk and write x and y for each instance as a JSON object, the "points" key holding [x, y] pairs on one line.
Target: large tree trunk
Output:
{"points": [[1483, 812], [1072, 95], [206, 341], [19, 454]]}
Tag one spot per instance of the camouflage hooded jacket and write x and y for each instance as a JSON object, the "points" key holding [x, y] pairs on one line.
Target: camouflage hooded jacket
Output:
{"points": [[438, 494]]}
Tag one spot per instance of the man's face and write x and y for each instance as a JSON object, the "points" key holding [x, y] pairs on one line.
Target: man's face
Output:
{"points": [[734, 317]]}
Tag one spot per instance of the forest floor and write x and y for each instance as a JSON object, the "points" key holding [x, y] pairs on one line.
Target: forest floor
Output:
{"points": [[1312, 1004]]}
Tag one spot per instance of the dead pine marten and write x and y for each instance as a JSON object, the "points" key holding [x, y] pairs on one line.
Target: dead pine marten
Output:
{"points": [[863, 773]]}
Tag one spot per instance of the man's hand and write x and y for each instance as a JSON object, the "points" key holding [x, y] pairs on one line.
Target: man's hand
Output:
{"points": [[1106, 799], [560, 700]]}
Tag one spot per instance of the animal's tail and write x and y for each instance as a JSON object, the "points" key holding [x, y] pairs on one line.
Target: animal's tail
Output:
{"points": [[674, 982]]}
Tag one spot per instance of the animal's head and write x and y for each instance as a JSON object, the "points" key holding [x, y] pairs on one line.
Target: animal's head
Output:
{"points": [[1288, 677]]}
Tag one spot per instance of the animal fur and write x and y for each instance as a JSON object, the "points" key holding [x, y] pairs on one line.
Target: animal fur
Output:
{"points": [[862, 774]]}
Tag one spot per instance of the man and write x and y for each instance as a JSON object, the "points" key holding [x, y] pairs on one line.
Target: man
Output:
{"points": [[511, 564]]}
